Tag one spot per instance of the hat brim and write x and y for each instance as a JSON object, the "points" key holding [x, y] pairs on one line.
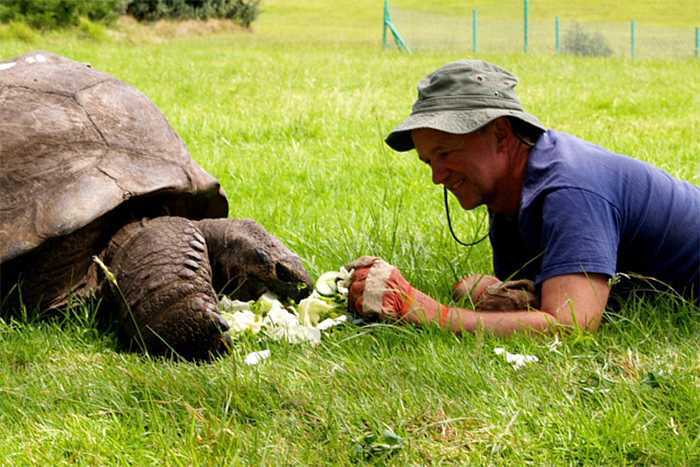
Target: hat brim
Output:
{"points": [[457, 122]]}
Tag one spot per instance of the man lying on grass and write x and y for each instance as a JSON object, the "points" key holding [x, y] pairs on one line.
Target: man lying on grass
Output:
{"points": [[565, 214]]}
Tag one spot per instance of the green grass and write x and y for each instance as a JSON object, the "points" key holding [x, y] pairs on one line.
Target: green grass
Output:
{"points": [[677, 13], [665, 29], [291, 119]]}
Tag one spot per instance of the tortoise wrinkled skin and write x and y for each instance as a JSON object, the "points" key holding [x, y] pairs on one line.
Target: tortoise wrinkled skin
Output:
{"points": [[90, 167]]}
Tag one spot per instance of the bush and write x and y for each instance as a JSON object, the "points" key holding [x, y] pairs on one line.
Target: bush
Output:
{"points": [[243, 12], [52, 14], [579, 42], [20, 31], [103, 11], [91, 30]]}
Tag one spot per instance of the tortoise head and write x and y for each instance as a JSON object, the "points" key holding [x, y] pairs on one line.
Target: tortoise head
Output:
{"points": [[276, 269], [247, 261]]}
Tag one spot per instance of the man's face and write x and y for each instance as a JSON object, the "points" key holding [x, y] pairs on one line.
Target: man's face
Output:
{"points": [[468, 165]]}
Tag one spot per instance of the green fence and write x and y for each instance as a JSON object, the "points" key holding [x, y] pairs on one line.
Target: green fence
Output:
{"points": [[477, 32]]}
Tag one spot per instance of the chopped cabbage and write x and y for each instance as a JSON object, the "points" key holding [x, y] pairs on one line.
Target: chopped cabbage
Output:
{"points": [[242, 321], [232, 306], [310, 310], [332, 283], [254, 358], [517, 360], [320, 311]]}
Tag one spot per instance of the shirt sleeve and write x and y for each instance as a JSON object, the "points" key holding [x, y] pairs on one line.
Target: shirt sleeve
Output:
{"points": [[580, 234]]}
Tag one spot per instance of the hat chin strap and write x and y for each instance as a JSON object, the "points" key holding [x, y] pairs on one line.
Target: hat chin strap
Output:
{"points": [[449, 224]]}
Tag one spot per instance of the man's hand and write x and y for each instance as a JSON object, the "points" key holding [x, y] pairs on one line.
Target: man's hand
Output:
{"points": [[378, 290], [487, 293]]}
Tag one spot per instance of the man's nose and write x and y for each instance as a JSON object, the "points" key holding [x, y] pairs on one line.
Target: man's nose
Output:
{"points": [[440, 173]]}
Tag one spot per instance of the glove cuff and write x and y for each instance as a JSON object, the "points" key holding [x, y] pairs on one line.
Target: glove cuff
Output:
{"points": [[408, 302], [444, 315]]}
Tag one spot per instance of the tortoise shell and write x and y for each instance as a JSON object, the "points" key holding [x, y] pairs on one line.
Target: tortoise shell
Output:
{"points": [[76, 143], [82, 154]]}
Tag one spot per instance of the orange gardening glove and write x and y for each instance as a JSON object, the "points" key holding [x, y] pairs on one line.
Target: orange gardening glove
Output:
{"points": [[378, 290], [488, 293]]}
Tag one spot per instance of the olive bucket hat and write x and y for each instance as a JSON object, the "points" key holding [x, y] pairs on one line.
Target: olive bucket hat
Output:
{"points": [[459, 98]]}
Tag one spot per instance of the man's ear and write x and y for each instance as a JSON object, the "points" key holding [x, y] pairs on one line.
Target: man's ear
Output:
{"points": [[502, 131]]}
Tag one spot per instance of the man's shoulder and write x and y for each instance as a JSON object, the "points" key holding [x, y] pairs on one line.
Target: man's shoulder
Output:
{"points": [[569, 156], [557, 161], [563, 161]]}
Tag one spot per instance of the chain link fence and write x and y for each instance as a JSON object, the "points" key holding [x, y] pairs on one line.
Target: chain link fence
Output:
{"points": [[476, 32]]}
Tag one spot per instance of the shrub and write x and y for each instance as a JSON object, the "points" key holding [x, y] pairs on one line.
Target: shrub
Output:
{"points": [[52, 14], [579, 42], [243, 12], [103, 11], [92, 30], [19, 30]]}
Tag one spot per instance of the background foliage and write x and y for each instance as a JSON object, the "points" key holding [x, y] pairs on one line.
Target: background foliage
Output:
{"points": [[578, 41], [241, 11], [52, 14]]}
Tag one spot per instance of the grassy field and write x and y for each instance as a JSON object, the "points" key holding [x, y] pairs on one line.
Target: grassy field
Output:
{"points": [[291, 118], [664, 29]]}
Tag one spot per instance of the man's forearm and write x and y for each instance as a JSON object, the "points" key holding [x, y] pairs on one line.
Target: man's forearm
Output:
{"points": [[503, 323]]}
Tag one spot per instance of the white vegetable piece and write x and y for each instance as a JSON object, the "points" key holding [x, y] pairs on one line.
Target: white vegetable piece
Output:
{"points": [[330, 322], [278, 316], [302, 323], [301, 334], [312, 308], [281, 324], [326, 283], [268, 301], [344, 281], [254, 358], [334, 282], [232, 306], [517, 360], [242, 321], [295, 334]]}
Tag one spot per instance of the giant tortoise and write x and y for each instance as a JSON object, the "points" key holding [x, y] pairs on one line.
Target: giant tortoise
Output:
{"points": [[90, 173]]}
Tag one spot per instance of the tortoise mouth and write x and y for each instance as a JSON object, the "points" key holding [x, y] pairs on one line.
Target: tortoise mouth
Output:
{"points": [[252, 289], [296, 290]]}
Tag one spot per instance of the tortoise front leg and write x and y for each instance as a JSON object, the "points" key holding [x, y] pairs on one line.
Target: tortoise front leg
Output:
{"points": [[165, 300]]}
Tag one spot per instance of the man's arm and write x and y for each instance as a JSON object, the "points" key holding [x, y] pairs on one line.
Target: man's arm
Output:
{"points": [[568, 300], [572, 299]]}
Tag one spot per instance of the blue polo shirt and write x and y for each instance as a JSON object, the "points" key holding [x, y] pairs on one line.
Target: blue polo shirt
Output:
{"points": [[585, 209]]}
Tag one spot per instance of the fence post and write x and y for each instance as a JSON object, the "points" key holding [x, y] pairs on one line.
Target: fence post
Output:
{"points": [[385, 22], [389, 24], [475, 34], [633, 38], [557, 43], [525, 25], [697, 42]]}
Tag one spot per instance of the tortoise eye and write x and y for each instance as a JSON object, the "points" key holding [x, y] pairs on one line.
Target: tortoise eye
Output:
{"points": [[261, 256], [283, 273]]}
